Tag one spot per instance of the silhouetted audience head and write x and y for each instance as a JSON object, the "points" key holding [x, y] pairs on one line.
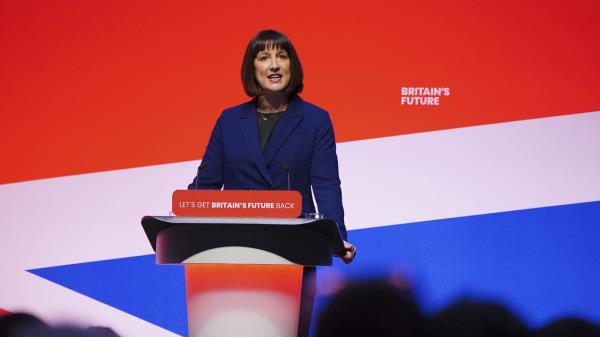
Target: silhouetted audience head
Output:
{"points": [[26, 325], [569, 327], [468, 318], [371, 309], [12, 324]]}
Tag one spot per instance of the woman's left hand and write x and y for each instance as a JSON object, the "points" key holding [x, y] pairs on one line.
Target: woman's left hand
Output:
{"points": [[349, 252]]}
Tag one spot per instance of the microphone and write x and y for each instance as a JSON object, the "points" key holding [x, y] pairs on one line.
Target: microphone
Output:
{"points": [[286, 168], [202, 166]]}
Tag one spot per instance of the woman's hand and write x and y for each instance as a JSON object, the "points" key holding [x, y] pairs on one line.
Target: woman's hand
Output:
{"points": [[349, 252]]}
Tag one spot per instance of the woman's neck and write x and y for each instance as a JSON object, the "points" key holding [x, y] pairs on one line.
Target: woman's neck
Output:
{"points": [[272, 102]]}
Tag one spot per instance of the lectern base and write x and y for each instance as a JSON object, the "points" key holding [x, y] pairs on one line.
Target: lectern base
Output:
{"points": [[230, 300]]}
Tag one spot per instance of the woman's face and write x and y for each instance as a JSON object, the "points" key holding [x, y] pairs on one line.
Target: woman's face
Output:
{"points": [[272, 69]]}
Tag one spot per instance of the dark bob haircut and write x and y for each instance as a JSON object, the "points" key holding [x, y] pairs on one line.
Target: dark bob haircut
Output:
{"points": [[267, 39]]}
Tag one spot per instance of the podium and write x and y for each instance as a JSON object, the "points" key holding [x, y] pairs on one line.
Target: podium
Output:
{"points": [[245, 276]]}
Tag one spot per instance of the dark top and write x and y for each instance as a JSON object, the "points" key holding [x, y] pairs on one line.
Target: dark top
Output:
{"points": [[266, 125]]}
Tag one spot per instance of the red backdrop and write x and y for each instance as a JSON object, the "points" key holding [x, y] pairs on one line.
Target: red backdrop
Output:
{"points": [[93, 86]]}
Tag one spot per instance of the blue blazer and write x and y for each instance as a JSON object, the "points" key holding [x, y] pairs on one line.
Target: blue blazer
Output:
{"points": [[303, 142]]}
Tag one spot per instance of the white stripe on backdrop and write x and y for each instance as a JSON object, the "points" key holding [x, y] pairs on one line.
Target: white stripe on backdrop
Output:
{"points": [[474, 170]]}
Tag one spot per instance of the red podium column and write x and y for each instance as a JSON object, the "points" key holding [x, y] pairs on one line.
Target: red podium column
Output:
{"points": [[243, 300]]}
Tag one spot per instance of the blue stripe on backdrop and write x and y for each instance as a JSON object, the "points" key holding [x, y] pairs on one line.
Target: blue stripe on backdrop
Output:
{"points": [[136, 285], [542, 263]]}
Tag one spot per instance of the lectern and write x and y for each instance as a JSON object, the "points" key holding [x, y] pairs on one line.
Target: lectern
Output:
{"points": [[243, 275]]}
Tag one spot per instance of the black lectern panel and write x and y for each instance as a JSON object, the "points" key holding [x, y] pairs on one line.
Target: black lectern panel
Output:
{"points": [[308, 242]]}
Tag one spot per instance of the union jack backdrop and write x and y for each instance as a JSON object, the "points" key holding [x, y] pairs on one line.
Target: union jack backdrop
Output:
{"points": [[468, 138]]}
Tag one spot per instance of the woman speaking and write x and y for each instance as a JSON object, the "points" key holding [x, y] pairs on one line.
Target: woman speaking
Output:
{"points": [[276, 141]]}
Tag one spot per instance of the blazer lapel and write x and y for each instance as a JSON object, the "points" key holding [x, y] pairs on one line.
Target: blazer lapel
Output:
{"points": [[289, 121], [249, 126]]}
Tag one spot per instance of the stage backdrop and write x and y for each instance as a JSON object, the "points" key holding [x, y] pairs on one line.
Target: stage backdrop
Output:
{"points": [[468, 139]]}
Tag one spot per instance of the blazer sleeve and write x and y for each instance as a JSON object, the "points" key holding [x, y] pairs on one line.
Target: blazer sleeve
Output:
{"points": [[211, 171], [324, 174]]}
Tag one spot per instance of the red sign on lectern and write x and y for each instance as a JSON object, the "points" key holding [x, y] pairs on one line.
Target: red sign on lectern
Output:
{"points": [[230, 203]]}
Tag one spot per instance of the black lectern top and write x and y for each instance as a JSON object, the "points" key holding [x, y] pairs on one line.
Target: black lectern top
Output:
{"points": [[308, 242]]}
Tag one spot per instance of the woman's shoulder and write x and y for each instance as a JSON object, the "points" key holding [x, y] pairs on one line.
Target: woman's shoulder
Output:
{"points": [[311, 110], [240, 107], [235, 110]]}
